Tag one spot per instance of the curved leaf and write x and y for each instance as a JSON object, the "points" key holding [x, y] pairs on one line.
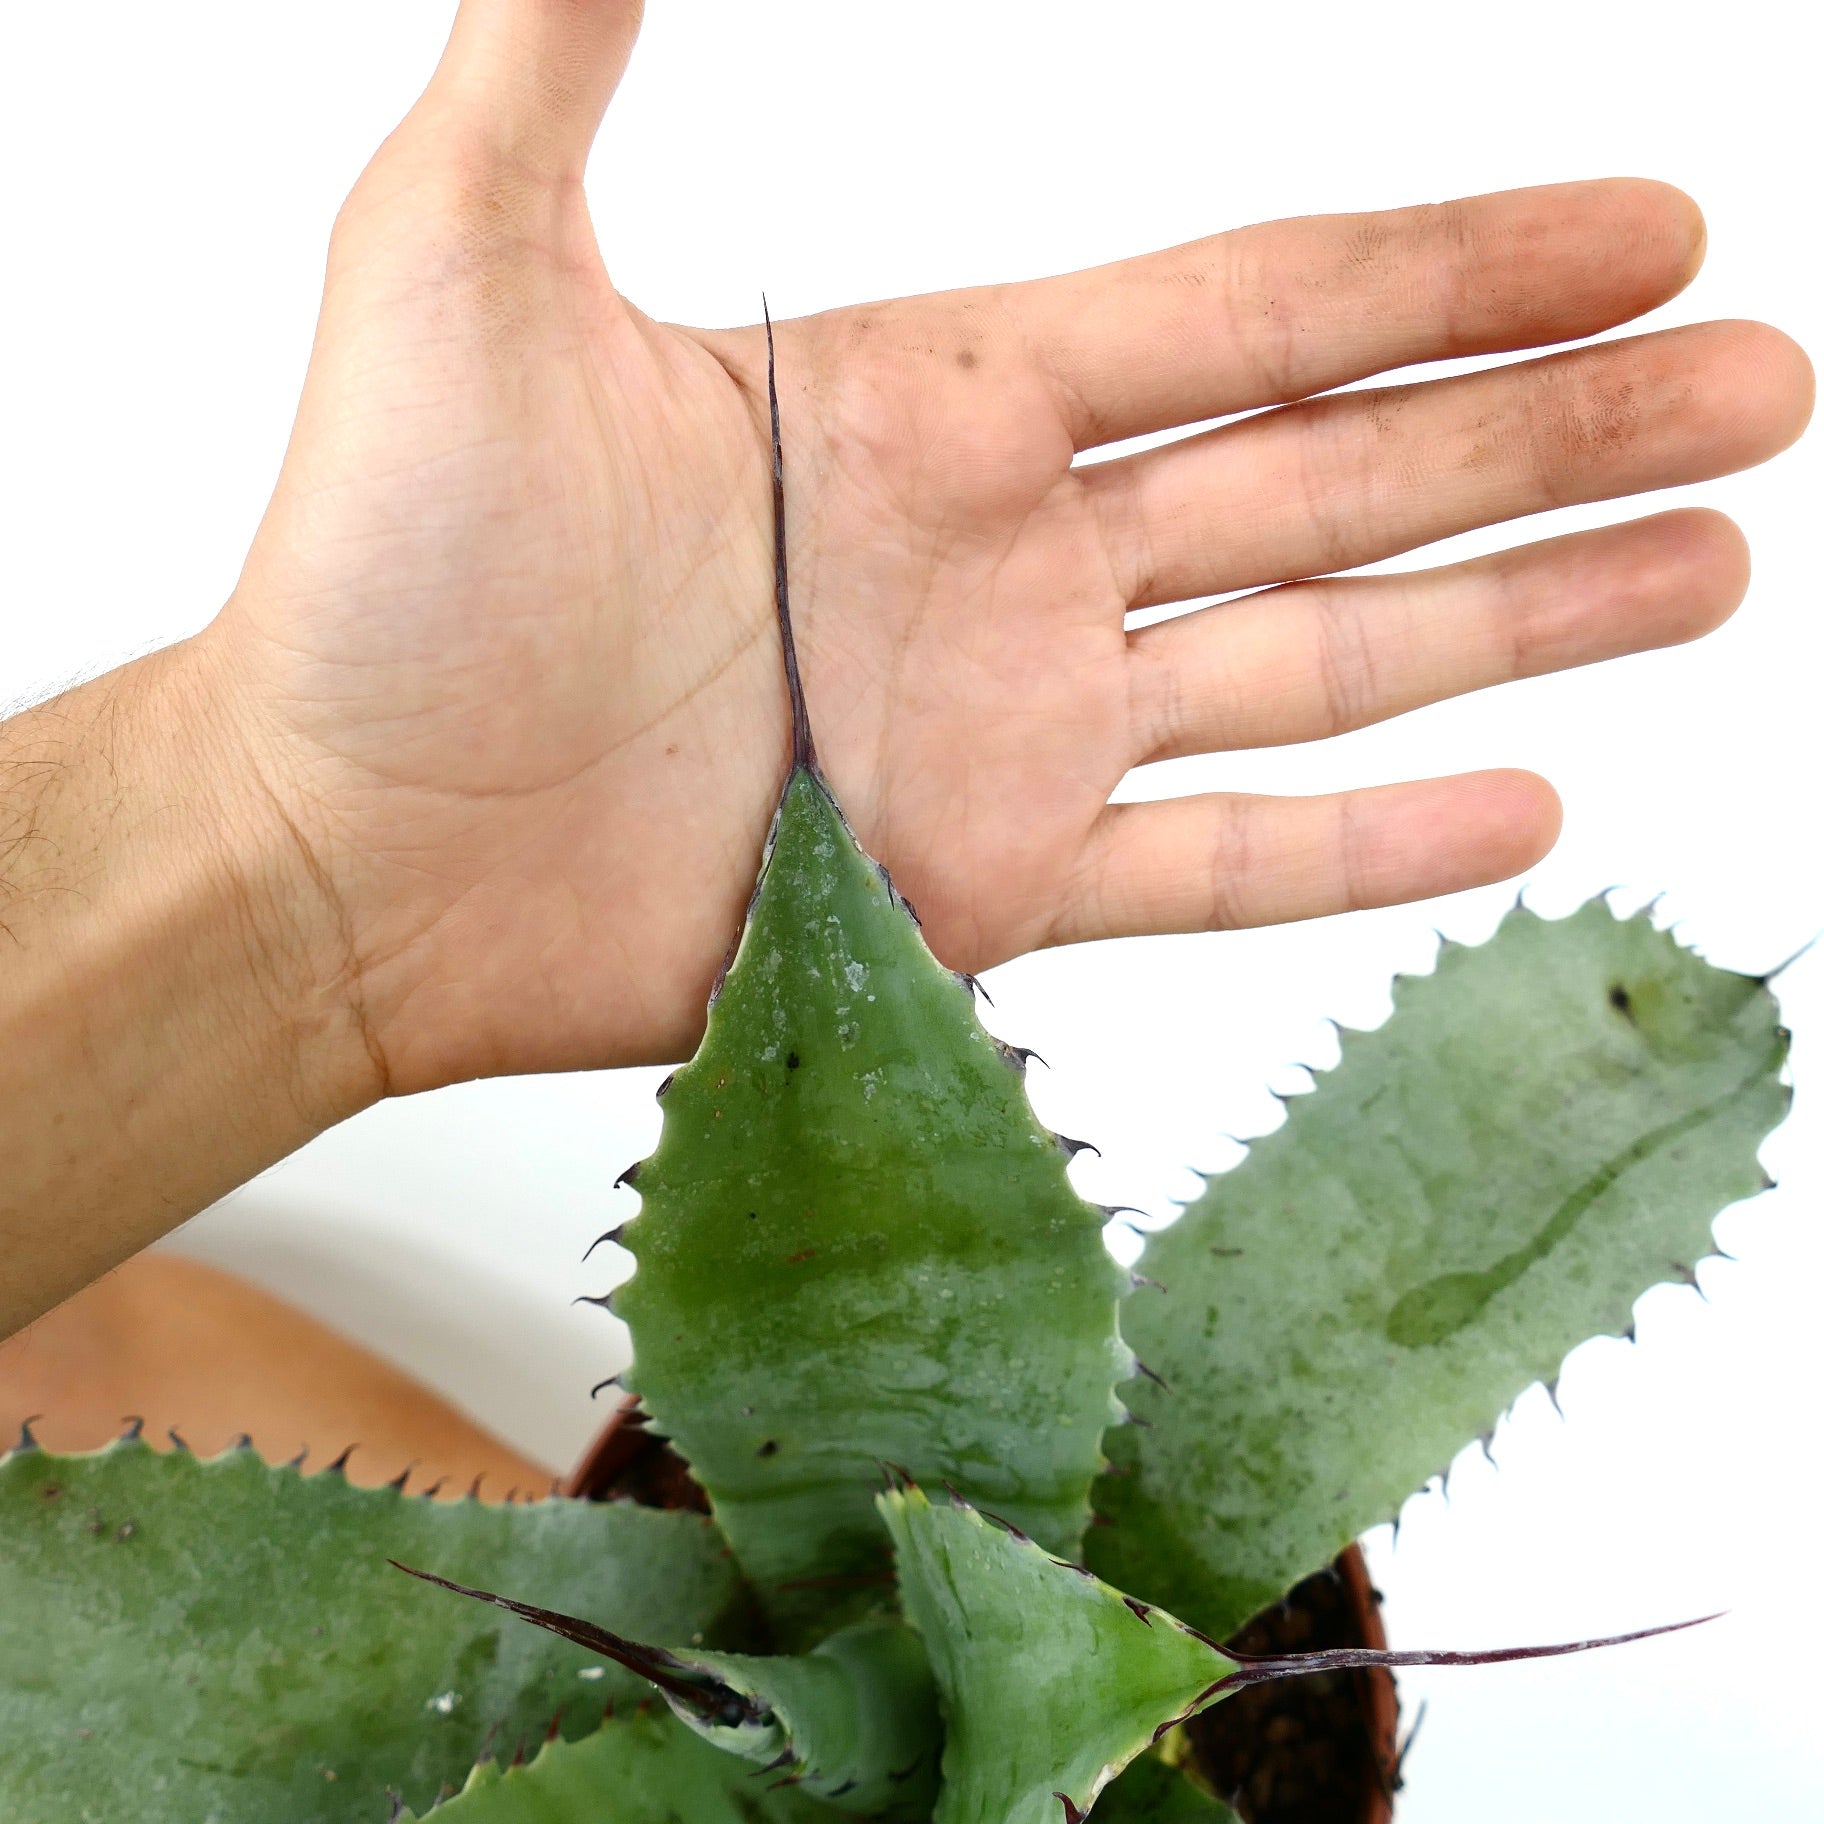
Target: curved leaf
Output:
{"points": [[643, 1768], [1150, 1792], [1543, 1129], [858, 1245], [224, 1641], [1051, 1681]]}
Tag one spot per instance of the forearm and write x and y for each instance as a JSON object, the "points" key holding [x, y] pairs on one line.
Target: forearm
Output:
{"points": [[175, 1003]]}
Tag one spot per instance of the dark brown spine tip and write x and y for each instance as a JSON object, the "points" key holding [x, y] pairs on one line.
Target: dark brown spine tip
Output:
{"points": [[1152, 1375], [595, 1392], [612, 1236], [628, 1177], [804, 749], [1071, 1814], [27, 1442], [1073, 1147], [177, 1442], [404, 1476], [785, 1758], [340, 1466], [659, 1094], [134, 1428], [1143, 1609], [1143, 1279], [604, 1301]]}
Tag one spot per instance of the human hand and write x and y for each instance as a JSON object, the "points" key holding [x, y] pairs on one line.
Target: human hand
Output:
{"points": [[503, 654]]}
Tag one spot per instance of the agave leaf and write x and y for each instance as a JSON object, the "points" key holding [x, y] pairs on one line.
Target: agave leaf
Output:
{"points": [[857, 1245], [640, 1768], [1543, 1129], [225, 1641], [855, 1721], [1150, 1792], [1051, 1681]]}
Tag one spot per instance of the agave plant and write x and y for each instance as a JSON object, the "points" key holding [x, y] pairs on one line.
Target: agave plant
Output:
{"points": [[983, 1504]]}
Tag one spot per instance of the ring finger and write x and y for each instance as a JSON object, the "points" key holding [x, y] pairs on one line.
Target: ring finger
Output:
{"points": [[1315, 659]]}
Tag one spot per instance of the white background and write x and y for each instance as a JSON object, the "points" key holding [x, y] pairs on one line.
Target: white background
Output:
{"points": [[170, 174]]}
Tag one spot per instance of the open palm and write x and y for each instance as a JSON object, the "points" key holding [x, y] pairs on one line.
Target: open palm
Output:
{"points": [[505, 643]]}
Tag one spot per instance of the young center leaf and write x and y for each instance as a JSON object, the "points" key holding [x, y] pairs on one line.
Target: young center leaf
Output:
{"points": [[853, 1722], [1543, 1129], [184, 1640], [1051, 1681], [640, 1767], [856, 1243]]}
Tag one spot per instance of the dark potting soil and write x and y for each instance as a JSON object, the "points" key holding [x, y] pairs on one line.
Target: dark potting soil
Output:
{"points": [[1314, 1750]]}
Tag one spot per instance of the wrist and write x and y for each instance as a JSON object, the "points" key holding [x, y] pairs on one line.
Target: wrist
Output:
{"points": [[176, 1013]]}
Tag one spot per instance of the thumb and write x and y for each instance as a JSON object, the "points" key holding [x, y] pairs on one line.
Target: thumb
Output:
{"points": [[534, 77]]}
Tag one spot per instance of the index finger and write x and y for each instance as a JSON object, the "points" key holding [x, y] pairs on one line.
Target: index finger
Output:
{"points": [[1266, 314]]}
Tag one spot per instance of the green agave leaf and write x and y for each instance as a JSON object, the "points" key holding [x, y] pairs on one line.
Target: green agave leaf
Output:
{"points": [[854, 1721], [1150, 1792], [1544, 1128], [641, 1768], [857, 1244], [185, 1642], [1051, 1681]]}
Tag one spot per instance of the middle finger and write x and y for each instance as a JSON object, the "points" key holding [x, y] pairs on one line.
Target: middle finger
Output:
{"points": [[1353, 477]]}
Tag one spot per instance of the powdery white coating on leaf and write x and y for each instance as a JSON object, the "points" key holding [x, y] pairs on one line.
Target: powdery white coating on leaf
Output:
{"points": [[1544, 1129], [858, 1246]]}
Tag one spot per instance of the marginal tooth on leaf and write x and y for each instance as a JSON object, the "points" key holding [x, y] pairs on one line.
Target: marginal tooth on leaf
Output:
{"points": [[27, 1443], [659, 1093], [1152, 1375], [785, 1758], [1071, 1814], [629, 1177], [1073, 1147], [177, 1443], [297, 1462], [340, 1466], [614, 1380], [1142, 1279], [1143, 1609], [474, 1493], [974, 986], [242, 1441], [397, 1800], [134, 1429], [431, 1493], [404, 1476], [602, 1301], [608, 1235]]}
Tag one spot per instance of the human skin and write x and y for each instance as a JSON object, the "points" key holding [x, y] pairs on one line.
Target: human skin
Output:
{"points": [[472, 772]]}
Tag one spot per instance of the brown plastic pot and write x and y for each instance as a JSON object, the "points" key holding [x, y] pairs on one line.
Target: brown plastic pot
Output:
{"points": [[1317, 1750]]}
